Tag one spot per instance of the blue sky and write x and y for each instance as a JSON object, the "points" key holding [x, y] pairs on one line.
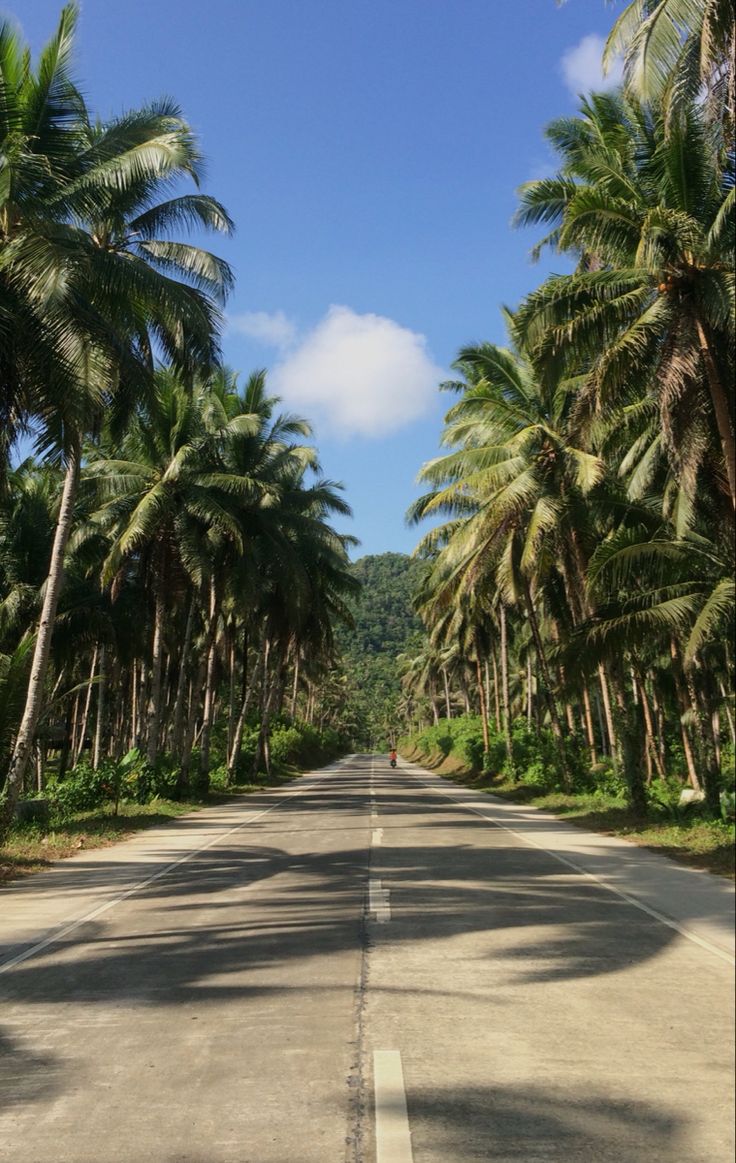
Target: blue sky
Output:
{"points": [[369, 152]]}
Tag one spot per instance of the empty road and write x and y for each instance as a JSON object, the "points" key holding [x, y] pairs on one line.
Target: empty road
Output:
{"points": [[369, 966]]}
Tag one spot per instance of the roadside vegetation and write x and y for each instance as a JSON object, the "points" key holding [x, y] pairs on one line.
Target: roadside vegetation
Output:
{"points": [[579, 596], [170, 578], [178, 613], [598, 799]]}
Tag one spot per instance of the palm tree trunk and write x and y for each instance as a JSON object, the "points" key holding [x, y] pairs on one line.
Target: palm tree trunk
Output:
{"points": [[652, 749], [295, 687], [97, 751], [707, 756], [729, 716], [42, 649], [505, 687], [553, 714], [245, 691], [154, 706], [447, 692], [483, 708], [496, 695], [630, 747], [529, 698], [659, 718], [607, 711], [682, 698], [209, 696], [79, 742], [721, 409], [588, 720], [177, 735]]}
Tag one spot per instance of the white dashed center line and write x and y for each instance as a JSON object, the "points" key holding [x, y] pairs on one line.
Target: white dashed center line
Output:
{"points": [[393, 1137]]}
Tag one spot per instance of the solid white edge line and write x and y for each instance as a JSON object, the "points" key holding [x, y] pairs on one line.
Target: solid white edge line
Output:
{"points": [[393, 1136], [60, 933], [665, 920]]}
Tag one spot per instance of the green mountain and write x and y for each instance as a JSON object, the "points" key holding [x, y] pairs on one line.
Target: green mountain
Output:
{"points": [[385, 626]]}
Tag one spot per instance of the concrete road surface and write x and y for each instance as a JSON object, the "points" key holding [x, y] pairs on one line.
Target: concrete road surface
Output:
{"points": [[370, 965]]}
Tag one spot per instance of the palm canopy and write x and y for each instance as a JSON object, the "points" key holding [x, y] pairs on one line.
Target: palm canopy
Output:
{"points": [[650, 309], [514, 478], [675, 49], [92, 283]]}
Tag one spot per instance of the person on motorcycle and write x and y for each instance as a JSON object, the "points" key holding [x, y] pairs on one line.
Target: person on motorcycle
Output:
{"points": [[392, 757]]}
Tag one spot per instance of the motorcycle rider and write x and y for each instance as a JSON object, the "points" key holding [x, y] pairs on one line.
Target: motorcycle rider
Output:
{"points": [[392, 757]]}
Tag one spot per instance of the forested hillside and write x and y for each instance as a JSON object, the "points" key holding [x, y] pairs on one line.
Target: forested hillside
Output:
{"points": [[385, 627]]}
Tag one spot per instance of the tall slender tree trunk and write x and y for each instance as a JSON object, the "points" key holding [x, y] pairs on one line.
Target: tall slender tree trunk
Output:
{"points": [[245, 690], [632, 751], [483, 708], [132, 740], [601, 726], [99, 725], [659, 718], [42, 647], [651, 742], [684, 701], [177, 734], [295, 687], [607, 711], [79, 743], [209, 696], [729, 716], [588, 721], [496, 695], [721, 409], [265, 692], [157, 657], [529, 696], [447, 691], [553, 714], [505, 687]]}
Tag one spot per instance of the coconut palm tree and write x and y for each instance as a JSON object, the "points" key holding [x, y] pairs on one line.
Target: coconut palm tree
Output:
{"points": [[650, 309], [100, 234], [675, 49]]}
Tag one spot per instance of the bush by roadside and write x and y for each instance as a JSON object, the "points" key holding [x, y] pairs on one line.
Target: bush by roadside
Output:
{"points": [[454, 749], [91, 808]]}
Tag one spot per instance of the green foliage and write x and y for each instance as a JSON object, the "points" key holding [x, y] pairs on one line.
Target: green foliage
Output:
{"points": [[129, 779], [302, 745], [385, 626], [536, 759], [83, 789]]}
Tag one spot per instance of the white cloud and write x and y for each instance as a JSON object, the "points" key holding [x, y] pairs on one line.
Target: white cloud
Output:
{"points": [[274, 329], [582, 69], [362, 374]]}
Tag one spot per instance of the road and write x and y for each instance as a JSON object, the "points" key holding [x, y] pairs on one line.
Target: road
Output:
{"points": [[366, 966]]}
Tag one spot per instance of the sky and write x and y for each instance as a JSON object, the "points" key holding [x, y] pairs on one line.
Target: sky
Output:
{"points": [[369, 152]]}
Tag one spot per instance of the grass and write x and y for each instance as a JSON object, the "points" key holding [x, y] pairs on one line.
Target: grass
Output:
{"points": [[29, 849], [692, 840]]}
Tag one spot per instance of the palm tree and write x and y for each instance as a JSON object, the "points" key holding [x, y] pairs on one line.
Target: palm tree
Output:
{"points": [[674, 49], [128, 289], [650, 308], [161, 501]]}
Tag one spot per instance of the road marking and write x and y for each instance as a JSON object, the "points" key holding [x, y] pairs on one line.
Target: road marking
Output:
{"points": [[52, 938], [377, 837], [632, 900], [379, 901], [393, 1137]]}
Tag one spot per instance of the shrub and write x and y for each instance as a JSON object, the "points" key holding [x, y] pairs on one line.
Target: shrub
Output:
{"points": [[81, 791], [467, 741]]}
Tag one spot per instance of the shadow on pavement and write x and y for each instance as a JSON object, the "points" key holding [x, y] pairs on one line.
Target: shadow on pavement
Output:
{"points": [[201, 934]]}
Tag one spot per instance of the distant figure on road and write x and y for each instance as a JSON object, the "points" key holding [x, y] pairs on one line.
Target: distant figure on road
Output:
{"points": [[392, 757]]}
